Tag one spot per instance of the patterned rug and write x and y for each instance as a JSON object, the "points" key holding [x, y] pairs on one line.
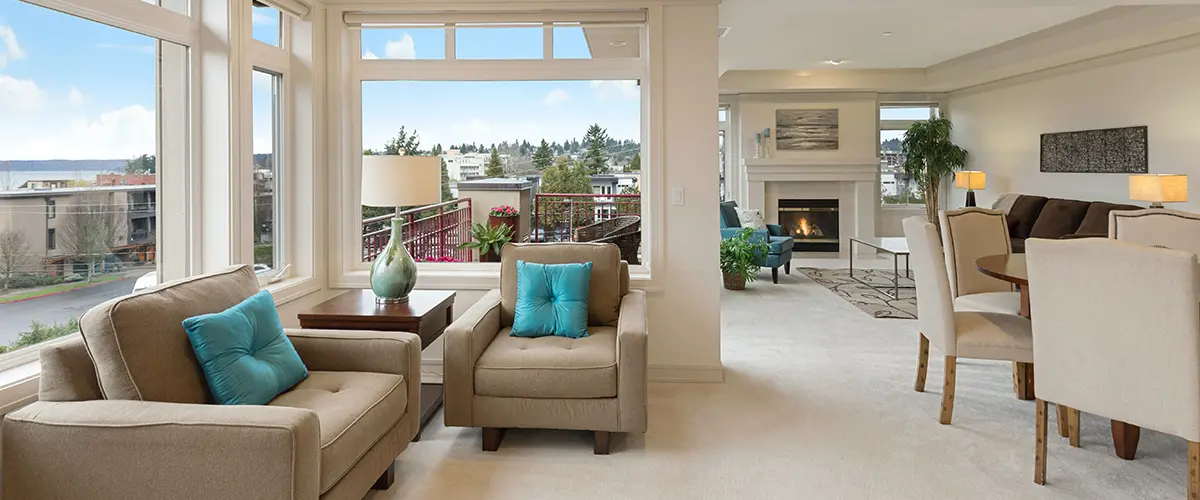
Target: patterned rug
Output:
{"points": [[867, 299]]}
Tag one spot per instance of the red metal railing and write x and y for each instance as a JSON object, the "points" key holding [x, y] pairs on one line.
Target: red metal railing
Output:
{"points": [[430, 233], [555, 216]]}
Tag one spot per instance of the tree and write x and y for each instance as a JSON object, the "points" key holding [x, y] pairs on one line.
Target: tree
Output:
{"points": [[542, 158], [446, 194], [597, 140], [494, 168], [145, 164], [930, 157], [90, 230], [403, 144], [635, 165], [14, 254]]}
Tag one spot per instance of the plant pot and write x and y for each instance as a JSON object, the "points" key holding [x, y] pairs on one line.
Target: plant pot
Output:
{"points": [[489, 257], [733, 281], [504, 220]]}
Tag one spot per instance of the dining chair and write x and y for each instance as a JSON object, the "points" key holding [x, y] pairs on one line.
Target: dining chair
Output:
{"points": [[968, 334], [1173, 229], [1117, 334], [967, 235]]}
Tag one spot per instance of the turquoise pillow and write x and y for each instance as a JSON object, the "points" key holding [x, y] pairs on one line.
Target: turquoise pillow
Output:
{"points": [[245, 356], [552, 300]]}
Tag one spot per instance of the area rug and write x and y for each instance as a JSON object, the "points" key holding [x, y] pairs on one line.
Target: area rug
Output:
{"points": [[867, 299]]}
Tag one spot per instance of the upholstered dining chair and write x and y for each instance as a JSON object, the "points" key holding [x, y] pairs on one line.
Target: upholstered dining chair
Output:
{"points": [[967, 235], [1156, 227], [1117, 334], [969, 334]]}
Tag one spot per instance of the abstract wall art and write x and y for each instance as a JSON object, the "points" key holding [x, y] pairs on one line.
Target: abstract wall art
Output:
{"points": [[1106, 151], [806, 129]]}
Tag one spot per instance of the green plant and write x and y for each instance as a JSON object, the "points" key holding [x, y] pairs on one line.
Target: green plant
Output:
{"points": [[930, 157], [488, 238], [741, 254]]}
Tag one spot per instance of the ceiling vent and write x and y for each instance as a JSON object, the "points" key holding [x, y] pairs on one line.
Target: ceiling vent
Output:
{"points": [[722, 31]]}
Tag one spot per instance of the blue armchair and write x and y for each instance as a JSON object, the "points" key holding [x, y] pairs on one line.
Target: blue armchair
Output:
{"points": [[780, 253]]}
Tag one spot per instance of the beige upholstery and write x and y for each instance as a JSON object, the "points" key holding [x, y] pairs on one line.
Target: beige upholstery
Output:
{"points": [[1156, 226], [967, 235], [330, 437], [1123, 343], [595, 383]]}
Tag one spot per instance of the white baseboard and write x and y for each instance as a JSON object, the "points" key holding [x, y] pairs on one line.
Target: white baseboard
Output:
{"points": [[431, 372]]}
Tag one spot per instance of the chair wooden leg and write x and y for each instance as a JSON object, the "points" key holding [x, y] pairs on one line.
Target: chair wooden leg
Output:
{"points": [[1193, 470], [787, 267], [603, 443], [491, 438], [775, 275], [948, 391], [1125, 439], [386, 479], [1073, 426], [1061, 411], [1039, 457], [1023, 380], [922, 364]]}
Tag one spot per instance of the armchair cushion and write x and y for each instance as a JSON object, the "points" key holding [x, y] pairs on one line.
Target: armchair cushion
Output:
{"points": [[551, 300], [354, 410], [549, 367]]}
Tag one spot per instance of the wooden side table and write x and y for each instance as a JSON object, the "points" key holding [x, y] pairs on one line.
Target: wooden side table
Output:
{"points": [[427, 314]]}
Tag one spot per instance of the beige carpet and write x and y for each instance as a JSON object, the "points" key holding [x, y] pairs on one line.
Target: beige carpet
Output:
{"points": [[818, 404]]}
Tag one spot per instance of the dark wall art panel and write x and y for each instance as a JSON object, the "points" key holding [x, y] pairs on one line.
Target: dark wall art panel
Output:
{"points": [[1106, 151]]}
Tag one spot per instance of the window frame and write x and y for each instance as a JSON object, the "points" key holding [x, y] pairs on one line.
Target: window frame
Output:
{"points": [[51, 209]]}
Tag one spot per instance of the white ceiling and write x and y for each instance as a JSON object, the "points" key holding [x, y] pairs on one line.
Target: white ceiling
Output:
{"points": [[802, 34]]}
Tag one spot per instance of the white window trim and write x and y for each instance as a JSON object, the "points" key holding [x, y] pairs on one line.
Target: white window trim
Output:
{"points": [[901, 125]]}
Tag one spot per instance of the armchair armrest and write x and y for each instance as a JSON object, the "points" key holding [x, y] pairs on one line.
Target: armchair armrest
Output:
{"points": [[398, 353], [632, 378], [464, 341], [775, 230], [135, 449]]}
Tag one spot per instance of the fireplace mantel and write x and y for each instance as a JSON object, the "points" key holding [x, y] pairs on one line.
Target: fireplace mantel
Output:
{"points": [[782, 170]]}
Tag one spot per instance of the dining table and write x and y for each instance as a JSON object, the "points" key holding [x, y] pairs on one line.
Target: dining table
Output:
{"points": [[1012, 268]]}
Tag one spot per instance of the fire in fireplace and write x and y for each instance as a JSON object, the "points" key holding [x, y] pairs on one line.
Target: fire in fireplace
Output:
{"points": [[812, 223]]}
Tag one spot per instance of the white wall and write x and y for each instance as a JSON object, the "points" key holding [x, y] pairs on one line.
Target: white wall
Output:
{"points": [[1000, 126], [857, 125]]}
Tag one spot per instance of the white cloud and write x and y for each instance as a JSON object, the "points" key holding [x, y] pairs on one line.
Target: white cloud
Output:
{"points": [[75, 97], [400, 49], [555, 97], [120, 133], [258, 18], [19, 95], [10, 50], [616, 89], [369, 55]]}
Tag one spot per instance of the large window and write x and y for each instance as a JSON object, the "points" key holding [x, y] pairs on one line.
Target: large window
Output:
{"points": [[267, 162], [894, 120], [82, 146]]}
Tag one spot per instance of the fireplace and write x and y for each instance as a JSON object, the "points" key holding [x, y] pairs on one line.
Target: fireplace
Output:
{"points": [[812, 223]]}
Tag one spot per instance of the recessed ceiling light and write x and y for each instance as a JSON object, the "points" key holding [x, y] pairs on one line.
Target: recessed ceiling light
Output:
{"points": [[617, 43], [836, 62], [887, 33]]}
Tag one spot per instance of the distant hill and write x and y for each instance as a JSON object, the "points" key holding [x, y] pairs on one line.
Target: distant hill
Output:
{"points": [[63, 165]]}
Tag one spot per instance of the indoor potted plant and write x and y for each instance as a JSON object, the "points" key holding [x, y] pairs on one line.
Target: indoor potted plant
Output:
{"points": [[488, 240], [930, 158], [503, 215], [740, 256]]}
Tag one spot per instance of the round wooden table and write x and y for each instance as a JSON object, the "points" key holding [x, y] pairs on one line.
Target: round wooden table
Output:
{"points": [[1012, 268]]}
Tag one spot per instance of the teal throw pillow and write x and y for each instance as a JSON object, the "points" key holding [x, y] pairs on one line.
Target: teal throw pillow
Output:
{"points": [[552, 300], [246, 358]]}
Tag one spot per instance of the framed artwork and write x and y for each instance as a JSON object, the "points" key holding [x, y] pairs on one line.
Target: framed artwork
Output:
{"points": [[806, 129], [1105, 151]]}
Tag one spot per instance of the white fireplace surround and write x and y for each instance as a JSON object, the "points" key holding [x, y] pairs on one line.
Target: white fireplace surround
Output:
{"points": [[855, 184]]}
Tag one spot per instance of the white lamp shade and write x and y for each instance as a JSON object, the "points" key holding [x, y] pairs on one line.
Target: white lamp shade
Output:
{"points": [[970, 179], [398, 181], [1158, 188]]}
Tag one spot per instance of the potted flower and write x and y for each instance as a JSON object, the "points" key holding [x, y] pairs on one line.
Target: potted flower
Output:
{"points": [[488, 240], [740, 256], [503, 215]]}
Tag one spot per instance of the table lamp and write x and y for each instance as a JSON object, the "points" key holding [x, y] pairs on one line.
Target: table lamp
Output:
{"points": [[970, 180], [398, 181], [1158, 188]]}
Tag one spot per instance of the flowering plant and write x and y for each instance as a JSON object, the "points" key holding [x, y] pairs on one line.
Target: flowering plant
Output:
{"points": [[503, 211], [443, 258]]}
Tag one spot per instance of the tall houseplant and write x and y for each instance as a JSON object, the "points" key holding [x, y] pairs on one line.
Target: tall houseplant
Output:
{"points": [[740, 256], [930, 158]]}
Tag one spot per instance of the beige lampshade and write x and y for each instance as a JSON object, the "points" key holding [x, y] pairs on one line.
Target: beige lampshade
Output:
{"points": [[970, 179], [1158, 188], [400, 181]]}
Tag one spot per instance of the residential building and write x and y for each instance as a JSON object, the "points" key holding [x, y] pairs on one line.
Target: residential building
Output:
{"points": [[465, 166]]}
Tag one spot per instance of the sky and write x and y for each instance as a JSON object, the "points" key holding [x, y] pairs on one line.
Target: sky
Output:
{"points": [[76, 89]]}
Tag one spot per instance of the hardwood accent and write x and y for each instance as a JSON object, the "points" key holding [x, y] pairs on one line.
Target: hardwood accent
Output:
{"points": [[603, 443], [922, 364], [1061, 410], [775, 275], [948, 391], [1023, 381], [1025, 311], [492, 437], [386, 479], [1193, 470], [427, 314], [1073, 426], [1039, 456], [1125, 439]]}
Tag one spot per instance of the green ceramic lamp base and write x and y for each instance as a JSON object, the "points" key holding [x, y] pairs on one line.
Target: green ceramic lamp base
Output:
{"points": [[394, 272]]}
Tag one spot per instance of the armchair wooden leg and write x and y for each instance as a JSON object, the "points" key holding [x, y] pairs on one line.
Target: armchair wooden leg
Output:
{"points": [[386, 479], [1073, 426], [603, 443], [922, 364], [1039, 457], [948, 391], [1063, 430], [1193, 470], [787, 267], [775, 275], [491, 438]]}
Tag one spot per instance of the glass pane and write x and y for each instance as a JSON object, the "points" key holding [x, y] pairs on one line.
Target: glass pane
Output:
{"points": [[597, 42], [498, 43], [406, 43], [575, 142], [265, 24], [895, 186], [266, 97], [78, 189], [907, 112]]}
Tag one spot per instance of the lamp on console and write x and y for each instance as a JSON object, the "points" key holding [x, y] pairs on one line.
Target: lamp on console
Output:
{"points": [[970, 180], [398, 181], [1158, 188]]}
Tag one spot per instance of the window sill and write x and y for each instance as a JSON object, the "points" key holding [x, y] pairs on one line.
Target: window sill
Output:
{"points": [[904, 208], [479, 276], [292, 289]]}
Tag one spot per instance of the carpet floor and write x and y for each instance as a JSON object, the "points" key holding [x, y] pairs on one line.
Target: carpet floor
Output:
{"points": [[817, 404]]}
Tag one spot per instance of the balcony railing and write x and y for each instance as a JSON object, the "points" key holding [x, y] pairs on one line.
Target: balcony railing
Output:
{"points": [[430, 233], [556, 216]]}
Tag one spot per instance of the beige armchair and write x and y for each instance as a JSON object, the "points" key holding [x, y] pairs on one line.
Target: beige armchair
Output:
{"points": [[124, 412], [596, 383]]}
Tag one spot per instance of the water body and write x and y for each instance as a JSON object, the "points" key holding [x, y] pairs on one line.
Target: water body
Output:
{"points": [[13, 179]]}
